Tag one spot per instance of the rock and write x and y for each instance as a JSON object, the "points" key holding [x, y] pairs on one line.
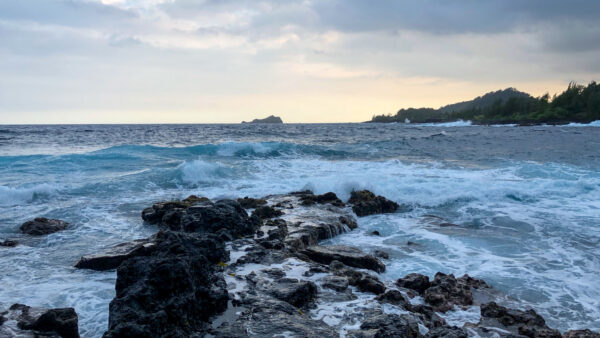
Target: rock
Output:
{"points": [[25, 321], [446, 291], [43, 226], [387, 325], [222, 216], [155, 214], [348, 255], [414, 281], [113, 257], [251, 203], [394, 297], [429, 317], [375, 233], [370, 284], [381, 254], [581, 334], [365, 203], [446, 332], [331, 198], [265, 212], [271, 119], [171, 292], [9, 243], [336, 283], [192, 199], [525, 323], [297, 293]]}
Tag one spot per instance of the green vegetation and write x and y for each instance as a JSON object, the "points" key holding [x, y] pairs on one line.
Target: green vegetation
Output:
{"points": [[577, 103]]}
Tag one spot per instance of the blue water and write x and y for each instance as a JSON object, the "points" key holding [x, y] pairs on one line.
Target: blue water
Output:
{"points": [[526, 199]]}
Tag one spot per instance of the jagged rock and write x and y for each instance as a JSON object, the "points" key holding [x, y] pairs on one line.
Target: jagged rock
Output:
{"points": [[25, 321], [251, 203], [155, 214], [43, 226], [381, 254], [414, 281], [9, 243], [365, 203], [330, 197], [272, 318], [394, 297], [298, 293], [173, 291], [370, 284], [387, 325], [446, 291], [274, 272], [336, 283], [429, 317], [446, 332], [222, 216], [348, 255], [581, 334], [113, 257], [517, 322], [265, 212]]}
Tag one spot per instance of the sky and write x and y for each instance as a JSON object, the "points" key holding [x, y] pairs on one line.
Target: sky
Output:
{"points": [[224, 61]]}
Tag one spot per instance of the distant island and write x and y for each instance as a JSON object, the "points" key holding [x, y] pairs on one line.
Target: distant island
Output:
{"points": [[577, 103], [270, 119]]}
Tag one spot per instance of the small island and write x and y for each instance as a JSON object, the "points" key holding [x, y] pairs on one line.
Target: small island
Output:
{"points": [[577, 103], [271, 119]]}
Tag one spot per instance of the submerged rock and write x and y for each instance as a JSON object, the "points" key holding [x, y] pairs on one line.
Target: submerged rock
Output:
{"points": [[171, 292], [113, 257], [43, 226], [298, 293], [9, 243], [25, 321], [365, 203], [336, 283], [346, 254]]}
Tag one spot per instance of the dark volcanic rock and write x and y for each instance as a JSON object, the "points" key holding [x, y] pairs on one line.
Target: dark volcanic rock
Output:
{"points": [[9, 243], [387, 325], [446, 291], [155, 214], [223, 215], [348, 255], [581, 334], [330, 197], [171, 292], [414, 281], [526, 323], [365, 203], [113, 257], [370, 284], [43, 226], [251, 203], [446, 332], [394, 297], [297, 293], [265, 212], [429, 317], [336, 283], [381, 254], [270, 119], [37, 322]]}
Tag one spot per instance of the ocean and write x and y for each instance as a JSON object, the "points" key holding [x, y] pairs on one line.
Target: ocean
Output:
{"points": [[525, 200]]}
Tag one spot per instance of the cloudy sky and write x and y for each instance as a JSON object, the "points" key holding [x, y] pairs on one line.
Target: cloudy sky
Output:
{"points": [[208, 61]]}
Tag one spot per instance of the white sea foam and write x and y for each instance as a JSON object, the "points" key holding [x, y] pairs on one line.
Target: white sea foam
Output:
{"points": [[458, 123], [10, 196], [591, 124]]}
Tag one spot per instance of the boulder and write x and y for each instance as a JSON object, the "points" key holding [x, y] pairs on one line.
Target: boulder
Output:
{"points": [[371, 284], [8, 243], [297, 293], [446, 291], [394, 297], [387, 325], [25, 321], [330, 198], [336, 283], [446, 332], [266, 212], [113, 257], [525, 323], [171, 292], [414, 281], [350, 256], [43, 226], [365, 203]]}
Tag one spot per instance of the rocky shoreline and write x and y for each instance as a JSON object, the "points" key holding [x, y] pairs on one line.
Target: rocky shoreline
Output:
{"points": [[255, 267]]}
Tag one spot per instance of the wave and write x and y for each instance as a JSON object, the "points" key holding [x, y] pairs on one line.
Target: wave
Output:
{"points": [[11, 196], [459, 123], [591, 124]]}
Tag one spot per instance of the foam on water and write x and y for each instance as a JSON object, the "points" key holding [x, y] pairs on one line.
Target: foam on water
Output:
{"points": [[527, 210]]}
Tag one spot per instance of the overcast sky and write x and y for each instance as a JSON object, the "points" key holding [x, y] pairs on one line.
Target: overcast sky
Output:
{"points": [[134, 61]]}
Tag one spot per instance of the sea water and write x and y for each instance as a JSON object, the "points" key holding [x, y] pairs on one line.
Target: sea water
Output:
{"points": [[525, 200]]}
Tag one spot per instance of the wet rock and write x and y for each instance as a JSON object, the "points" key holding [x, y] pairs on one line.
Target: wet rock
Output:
{"points": [[381, 254], [25, 321], [251, 203], [336, 283], [414, 281], [113, 257], [394, 297], [370, 284], [365, 203], [297, 293], [155, 214], [192, 199], [348, 255], [446, 332], [273, 318], [581, 334], [426, 314], [8, 243], [274, 273], [375, 233], [330, 197], [446, 291], [223, 215], [43, 226], [266, 212], [525, 323], [387, 325], [173, 291]]}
